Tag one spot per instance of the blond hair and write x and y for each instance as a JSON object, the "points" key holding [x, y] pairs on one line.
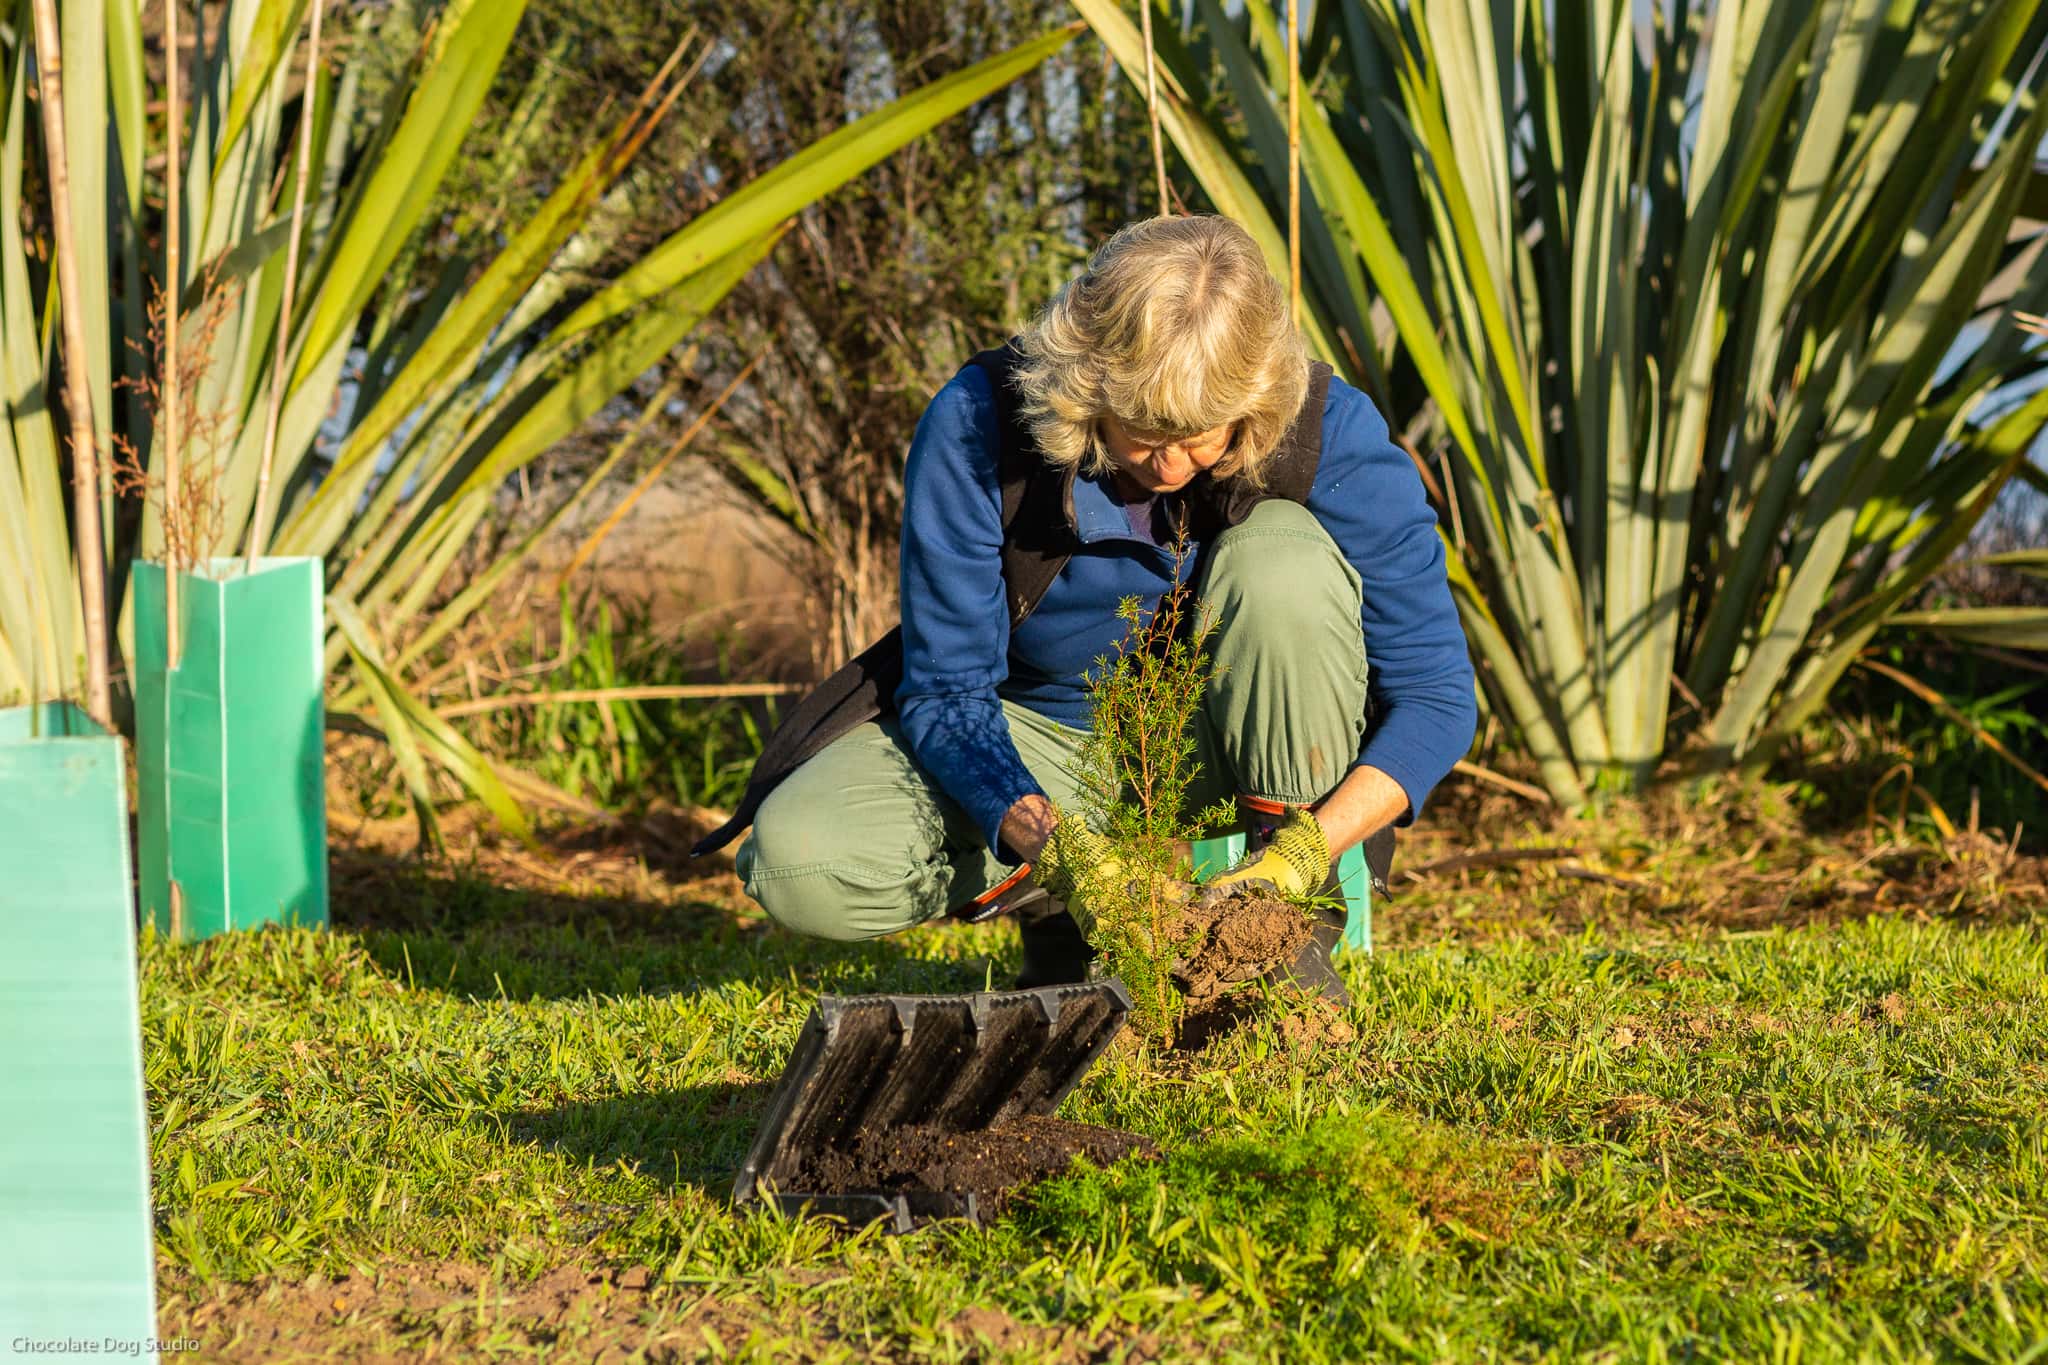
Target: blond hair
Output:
{"points": [[1176, 328]]}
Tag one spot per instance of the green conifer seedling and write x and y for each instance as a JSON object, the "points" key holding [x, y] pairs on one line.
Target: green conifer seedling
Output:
{"points": [[1136, 771]]}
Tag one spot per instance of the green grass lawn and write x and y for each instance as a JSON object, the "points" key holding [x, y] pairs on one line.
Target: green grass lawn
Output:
{"points": [[485, 1120]]}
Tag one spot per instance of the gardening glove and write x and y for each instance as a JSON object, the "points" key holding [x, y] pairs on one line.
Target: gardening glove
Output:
{"points": [[1073, 854], [1294, 863], [1076, 858]]}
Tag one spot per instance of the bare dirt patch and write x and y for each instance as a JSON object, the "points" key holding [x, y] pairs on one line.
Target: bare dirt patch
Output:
{"points": [[1318, 1024], [993, 1334], [642, 858], [990, 1163], [411, 1311]]}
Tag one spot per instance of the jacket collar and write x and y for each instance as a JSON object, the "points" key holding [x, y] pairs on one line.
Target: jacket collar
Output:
{"points": [[1094, 514]]}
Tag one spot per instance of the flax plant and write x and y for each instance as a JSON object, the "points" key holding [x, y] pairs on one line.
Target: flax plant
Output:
{"points": [[1709, 319], [300, 203]]}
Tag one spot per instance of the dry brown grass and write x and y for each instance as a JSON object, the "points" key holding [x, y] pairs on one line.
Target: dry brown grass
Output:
{"points": [[1728, 858], [1484, 864]]}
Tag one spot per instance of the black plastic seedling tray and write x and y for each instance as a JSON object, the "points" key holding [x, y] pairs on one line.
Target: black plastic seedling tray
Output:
{"points": [[864, 1063]]}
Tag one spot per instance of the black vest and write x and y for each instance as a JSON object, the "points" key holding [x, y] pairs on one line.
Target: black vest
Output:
{"points": [[1038, 539]]}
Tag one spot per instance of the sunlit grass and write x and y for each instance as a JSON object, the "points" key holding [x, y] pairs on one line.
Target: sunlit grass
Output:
{"points": [[1823, 1143]]}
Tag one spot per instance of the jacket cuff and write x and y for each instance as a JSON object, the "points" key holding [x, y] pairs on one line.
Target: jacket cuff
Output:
{"points": [[1413, 772]]}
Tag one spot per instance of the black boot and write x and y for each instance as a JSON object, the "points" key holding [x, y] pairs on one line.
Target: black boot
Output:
{"points": [[1379, 862], [1055, 954], [1310, 969]]}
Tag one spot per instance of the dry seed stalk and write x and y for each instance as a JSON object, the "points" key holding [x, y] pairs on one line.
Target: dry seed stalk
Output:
{"points": [[1152, 108], [191, 501], [174, 277], [85, 464], [1293, 163]]}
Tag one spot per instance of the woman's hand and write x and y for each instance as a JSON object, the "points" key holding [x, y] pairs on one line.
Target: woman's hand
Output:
{"points": [[1294, 863], [1071, 858], [1074, 858]]}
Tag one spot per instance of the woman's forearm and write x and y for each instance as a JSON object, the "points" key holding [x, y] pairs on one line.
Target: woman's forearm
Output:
{"points": [[1365, 802], [1028, 825]]}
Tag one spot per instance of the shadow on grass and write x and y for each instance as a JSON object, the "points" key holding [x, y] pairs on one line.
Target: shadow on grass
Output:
{"points": [[475, 932], [697, 1135], [1966, 1132]]}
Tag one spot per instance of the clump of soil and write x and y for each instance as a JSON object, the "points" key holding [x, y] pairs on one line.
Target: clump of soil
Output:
{"points": [[1319, 1024], [989, 1163], [1235, 939]]}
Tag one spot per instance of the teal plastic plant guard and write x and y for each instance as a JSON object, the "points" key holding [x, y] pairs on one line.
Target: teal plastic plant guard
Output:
{"points": [[1354, 883], [230, 750], [76, 1255]]}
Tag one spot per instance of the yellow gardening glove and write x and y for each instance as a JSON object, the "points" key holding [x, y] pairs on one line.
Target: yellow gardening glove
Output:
{"points": [[1076, 858], [1073, 855], [1293, 864]]}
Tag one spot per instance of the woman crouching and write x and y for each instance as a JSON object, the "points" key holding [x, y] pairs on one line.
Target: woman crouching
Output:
{"points": [[1163, 391]]}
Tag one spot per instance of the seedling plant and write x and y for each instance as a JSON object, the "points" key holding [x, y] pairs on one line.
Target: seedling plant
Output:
{"points": [[1137, 769]]}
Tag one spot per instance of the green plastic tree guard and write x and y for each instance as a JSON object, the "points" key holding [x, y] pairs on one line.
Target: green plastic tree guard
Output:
{"points": [[76, 1259], [228, 749]]}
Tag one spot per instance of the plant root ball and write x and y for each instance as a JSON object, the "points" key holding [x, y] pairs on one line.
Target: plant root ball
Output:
{"points": [[1236, 939]]}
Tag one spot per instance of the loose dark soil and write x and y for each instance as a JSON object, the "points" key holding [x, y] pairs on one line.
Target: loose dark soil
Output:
{"points": [[990, 1163], [1237, 939]]}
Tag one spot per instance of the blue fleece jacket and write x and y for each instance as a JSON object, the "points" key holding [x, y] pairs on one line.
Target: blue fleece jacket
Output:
{"points": [[960, 655]]}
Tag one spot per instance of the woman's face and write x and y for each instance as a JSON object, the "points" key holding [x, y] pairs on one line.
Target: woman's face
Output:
{"points": [[1158, 463]]}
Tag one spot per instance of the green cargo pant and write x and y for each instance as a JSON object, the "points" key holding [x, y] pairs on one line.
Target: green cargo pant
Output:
{"points": [[859, 841]]}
